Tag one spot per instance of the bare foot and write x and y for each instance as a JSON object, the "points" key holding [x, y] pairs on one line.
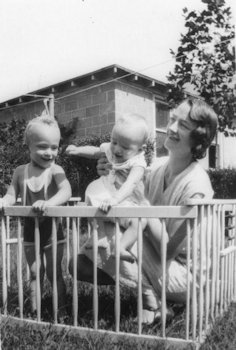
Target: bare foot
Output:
{"points": [[148, 317], [151, 317], [125, 255], [102, 243]]}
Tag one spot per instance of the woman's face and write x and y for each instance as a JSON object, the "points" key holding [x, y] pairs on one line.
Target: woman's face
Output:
{"points": [[179, 131]]}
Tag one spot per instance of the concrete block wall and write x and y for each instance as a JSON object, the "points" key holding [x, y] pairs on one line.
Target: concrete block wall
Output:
{"points": [[132, 99], [24, 111], [93, 110]]}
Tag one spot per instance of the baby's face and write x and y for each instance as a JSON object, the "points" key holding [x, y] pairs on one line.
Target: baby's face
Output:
{"points": [[124, 145], [43, 145]]}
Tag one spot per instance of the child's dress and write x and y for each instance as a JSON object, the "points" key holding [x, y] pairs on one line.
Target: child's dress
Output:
{"points": [[30, 196], [109, 184]]}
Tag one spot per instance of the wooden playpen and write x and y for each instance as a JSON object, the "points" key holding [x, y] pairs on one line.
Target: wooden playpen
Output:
{"points": [[210, 251]]}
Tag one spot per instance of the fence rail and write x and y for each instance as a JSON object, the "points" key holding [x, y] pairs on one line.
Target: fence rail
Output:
{"points": [[210, 260]]}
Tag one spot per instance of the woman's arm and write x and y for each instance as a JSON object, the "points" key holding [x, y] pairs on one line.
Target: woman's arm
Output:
{"points": [[90, 152], [180, 234]]}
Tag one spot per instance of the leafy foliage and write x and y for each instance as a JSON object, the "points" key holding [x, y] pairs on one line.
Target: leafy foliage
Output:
{"points": [[223, 182], [80, 171], [13, 152], [205, 60]]}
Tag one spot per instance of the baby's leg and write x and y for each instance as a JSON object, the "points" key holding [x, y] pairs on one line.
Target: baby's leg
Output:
{"points": [[102, 242], [128, 239], [61, 287], [31, 260]]}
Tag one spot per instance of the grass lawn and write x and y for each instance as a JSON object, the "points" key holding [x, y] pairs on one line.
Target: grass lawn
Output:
{"points": [[222, 337]]}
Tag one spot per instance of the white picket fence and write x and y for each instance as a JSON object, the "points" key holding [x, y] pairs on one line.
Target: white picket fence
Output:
{"points": [[211, 244]]}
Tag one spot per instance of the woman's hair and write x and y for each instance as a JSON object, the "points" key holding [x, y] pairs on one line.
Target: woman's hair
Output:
{"points": [[44, 119], [206, 124]]}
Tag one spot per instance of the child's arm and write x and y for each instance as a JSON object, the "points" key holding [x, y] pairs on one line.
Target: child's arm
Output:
{"points": [[12, 192], [134, 177], [90, 152], [62, 195]]}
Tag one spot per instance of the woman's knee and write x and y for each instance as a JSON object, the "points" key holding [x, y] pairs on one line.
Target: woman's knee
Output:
{"points": [[83, 270]]}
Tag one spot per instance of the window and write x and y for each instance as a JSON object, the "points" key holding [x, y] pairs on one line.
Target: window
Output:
{"points": [[162, 117], [213, 155]]}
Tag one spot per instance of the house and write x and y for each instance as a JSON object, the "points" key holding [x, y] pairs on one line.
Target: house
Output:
{"points": [[93, 101]]}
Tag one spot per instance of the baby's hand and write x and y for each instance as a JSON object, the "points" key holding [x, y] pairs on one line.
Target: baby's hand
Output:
{"points": [[107, 203], [39, 206], [103, 166], [2, 204], [71, 150]]}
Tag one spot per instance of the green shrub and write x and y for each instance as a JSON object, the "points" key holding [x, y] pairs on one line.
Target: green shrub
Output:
{"points": [[13, 152], [80, 171], [223, 183]]}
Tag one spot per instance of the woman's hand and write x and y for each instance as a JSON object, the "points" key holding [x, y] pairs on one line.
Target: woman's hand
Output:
{"points": [[103, 166]]}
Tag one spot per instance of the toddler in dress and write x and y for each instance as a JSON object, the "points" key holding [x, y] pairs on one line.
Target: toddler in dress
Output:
{"points": [[123, 185]]}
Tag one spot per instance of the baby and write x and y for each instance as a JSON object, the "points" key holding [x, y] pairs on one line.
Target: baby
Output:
{"points": [[41, 183], [123, 185]]}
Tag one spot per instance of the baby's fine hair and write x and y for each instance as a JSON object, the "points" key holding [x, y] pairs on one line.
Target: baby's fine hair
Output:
{"points": [[137, 120], [44, 119]]}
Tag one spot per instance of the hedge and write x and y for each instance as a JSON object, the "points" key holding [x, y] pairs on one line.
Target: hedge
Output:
{"points": [[223, 182]]}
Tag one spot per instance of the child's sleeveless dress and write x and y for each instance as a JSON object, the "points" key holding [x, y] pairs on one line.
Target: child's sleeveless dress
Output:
{"points": [[30, 196]]}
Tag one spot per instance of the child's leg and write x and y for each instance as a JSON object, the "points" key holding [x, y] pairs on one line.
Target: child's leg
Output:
{"points": [[128, 239], [31, 260], [61, 287], [102, 242]]}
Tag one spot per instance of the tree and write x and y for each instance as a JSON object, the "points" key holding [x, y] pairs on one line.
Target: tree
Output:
{"points": [[205, 60]]}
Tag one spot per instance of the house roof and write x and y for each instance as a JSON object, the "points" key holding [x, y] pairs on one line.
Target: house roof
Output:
{"points": [[106, 74]]}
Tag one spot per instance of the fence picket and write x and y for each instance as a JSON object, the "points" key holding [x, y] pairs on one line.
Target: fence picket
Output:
{"points": [[140, 255], [75, 289], [54, 263], [37, 256], [19, 267], [117, 281], [95, 279]]}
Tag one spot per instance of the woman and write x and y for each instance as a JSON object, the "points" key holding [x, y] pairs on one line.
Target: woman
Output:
{"points": [[170, 181]]}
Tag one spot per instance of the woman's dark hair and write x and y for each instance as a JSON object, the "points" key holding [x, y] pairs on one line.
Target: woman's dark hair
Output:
{"points": [[206, 124]]}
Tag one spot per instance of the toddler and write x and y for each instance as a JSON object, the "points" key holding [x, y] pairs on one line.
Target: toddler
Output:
{"points": [[41, 183], [123, 185]]}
